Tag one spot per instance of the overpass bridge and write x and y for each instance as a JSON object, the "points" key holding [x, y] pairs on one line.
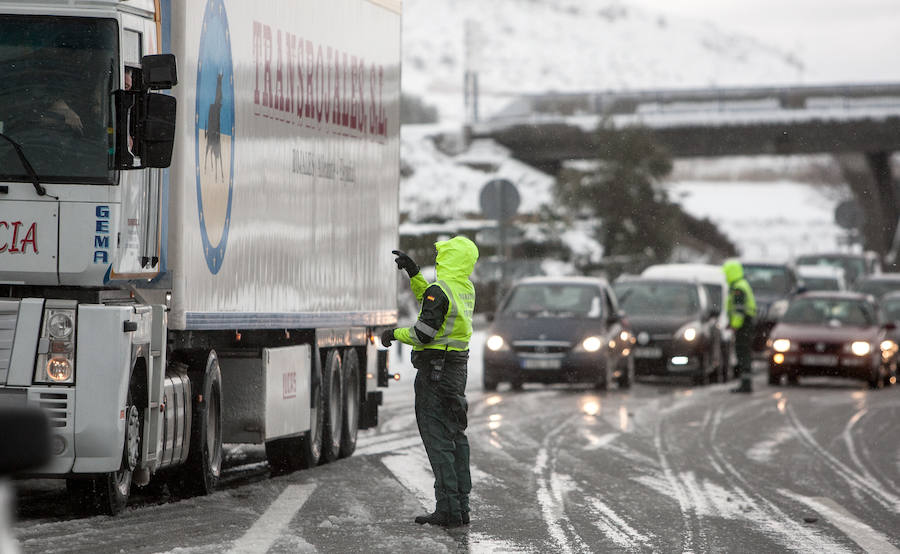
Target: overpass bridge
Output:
{"points": [[859, 124]]}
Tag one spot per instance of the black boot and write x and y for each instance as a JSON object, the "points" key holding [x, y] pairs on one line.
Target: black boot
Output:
{"points": [[441, 518], [465, 518]]}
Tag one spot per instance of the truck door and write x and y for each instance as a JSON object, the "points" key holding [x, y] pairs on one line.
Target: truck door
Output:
{"points": [[138, 249]]}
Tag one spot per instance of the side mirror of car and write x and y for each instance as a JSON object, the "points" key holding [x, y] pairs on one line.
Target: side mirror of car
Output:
{"points": [[160, 71], [615, 317], [890, 326]]}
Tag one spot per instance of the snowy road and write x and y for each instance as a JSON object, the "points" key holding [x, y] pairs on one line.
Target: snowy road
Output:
{"points": [[662, 467]]}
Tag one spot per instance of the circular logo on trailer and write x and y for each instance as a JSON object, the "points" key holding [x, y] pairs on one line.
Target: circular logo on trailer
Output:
{"points": [[214, 133]]}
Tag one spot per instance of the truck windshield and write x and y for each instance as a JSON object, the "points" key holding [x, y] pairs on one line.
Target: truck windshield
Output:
{"points": [[57, 74]]}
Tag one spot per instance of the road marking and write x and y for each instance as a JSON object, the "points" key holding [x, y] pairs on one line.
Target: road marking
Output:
{"points": [[869, 539], [268, 528], [617, 528], [412, 469]]}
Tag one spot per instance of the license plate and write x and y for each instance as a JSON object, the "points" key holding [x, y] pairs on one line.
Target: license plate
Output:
{"points": [[647, 352], [819, 359], [541, 364]]}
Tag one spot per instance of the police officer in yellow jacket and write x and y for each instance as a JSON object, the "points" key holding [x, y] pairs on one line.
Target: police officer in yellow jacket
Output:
{"points": [[741, 309], [440, 341]]}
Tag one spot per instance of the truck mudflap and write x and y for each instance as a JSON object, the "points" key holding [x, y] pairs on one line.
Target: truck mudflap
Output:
{"points": [[369, 412]]}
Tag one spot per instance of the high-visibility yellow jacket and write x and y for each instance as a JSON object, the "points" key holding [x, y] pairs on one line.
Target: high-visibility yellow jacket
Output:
{"points": [[445, 319], [740, 304]]}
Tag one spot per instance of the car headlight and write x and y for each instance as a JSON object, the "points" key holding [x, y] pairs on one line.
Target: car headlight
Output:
{"points": [[592, 344], [860, 348], [689, 332], [59, 369], [781, 345], [888, 346], [496, 343]]}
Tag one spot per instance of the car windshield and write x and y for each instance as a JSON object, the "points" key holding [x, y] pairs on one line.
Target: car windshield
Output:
{"points": [[57, 74], [878, 288], [655, 298], [770, 280], [892, 310], [554, 300], [714, 294], [853, 267], [834, 312], [820, 283]]}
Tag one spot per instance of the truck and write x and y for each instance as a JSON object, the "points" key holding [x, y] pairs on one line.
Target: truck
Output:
{"points": [[198, 201]]}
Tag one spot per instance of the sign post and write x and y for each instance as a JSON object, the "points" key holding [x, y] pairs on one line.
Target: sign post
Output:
{"points": [[500, 200]]}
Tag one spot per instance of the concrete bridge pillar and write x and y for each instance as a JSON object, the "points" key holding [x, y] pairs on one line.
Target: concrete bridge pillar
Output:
{"points": [[870, 178]]}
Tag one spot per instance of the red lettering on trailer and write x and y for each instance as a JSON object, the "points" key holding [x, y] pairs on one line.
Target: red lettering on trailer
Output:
{"points": [[317, 85], [12, 244]]}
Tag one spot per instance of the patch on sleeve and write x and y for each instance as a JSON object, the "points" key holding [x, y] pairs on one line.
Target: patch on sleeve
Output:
{"points": [[430, 298]]}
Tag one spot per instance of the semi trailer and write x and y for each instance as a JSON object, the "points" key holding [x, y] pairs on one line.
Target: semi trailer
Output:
{"points": [[198, 200]]}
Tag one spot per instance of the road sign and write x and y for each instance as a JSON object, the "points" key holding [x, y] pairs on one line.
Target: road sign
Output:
{"points": [[848, 214], [499, 199]]}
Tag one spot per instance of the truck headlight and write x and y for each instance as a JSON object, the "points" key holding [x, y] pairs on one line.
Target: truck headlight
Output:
{"points": [[59, 370], [60, 325], [56, 348], [781, 345], [496, 343], [860, 348], [592, 344]]}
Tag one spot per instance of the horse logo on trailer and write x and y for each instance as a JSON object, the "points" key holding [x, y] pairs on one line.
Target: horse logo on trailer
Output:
{"points": [[214, 133]]}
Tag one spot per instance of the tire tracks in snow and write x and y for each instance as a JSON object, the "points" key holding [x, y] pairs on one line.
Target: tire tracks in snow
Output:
{"points": [[861, 482], [763, 512]]}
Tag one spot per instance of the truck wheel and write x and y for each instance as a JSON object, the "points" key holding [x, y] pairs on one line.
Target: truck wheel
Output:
{"points": [[108, 494], [350, 417], [200, 474], [333, 389], [311, 441]]}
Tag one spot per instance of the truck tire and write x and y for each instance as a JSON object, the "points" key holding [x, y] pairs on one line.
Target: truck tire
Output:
{"points": [[333, 386], [350, 417], [310, 452], [108, 494], [200, 473]]}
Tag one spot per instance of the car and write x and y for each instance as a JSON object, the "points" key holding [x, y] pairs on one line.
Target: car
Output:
{"points": [[773, 284], [675, 326], [879, 285], [558, 329], [821, 277], [837, 334], [713, 280], [855, 264]]}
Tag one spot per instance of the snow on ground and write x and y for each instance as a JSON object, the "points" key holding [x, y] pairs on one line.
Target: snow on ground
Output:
{"points": [[571, 45], [766, 220], [450, 186]]}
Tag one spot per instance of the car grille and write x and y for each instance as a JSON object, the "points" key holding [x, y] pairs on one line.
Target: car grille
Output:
{"points": [[821, 347], [542, 347]]}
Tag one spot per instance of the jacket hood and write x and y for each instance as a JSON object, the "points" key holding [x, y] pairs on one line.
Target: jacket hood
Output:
{"points": [[733, 270], [455, 258]]}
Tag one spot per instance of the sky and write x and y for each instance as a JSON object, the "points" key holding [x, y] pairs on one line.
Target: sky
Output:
{"points": [[839, 40]]}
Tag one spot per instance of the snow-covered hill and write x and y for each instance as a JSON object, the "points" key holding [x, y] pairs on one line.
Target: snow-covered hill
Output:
{"points": [[521, 46]]}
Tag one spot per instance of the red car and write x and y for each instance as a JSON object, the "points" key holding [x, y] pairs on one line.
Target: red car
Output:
{"points": [[835, 334]]}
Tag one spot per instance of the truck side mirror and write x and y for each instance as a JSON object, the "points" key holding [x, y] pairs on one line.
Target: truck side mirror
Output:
{"points": [[156, 138], [159, 71]]}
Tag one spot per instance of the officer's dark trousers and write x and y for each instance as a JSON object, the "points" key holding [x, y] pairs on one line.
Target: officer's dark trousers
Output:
{"points": [[441, 416], [743, 345]]}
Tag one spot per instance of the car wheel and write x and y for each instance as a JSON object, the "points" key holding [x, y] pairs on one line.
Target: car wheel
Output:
{"points": [[488, 382], [627, 376], [774, 379], [702, 378], [516, 383], [793, 379]]}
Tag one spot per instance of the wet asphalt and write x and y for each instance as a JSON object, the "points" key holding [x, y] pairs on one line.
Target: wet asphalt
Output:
{"points": [[662, 467]]}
